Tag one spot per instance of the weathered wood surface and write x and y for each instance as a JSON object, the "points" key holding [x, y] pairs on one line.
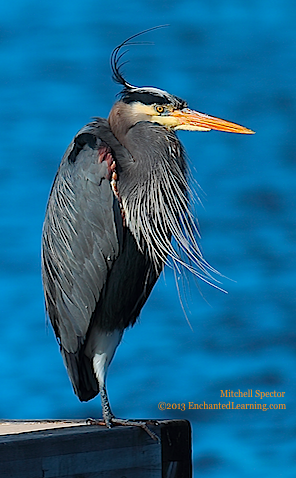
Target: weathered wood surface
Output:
{"points": [[8, 427], [76, 450]]}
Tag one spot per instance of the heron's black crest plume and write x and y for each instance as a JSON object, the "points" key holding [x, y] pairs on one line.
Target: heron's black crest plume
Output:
{"points": [[117, 55]]}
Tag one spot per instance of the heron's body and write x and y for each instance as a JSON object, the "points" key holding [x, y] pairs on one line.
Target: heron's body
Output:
{"points": [[121, 193], [96, 279]]}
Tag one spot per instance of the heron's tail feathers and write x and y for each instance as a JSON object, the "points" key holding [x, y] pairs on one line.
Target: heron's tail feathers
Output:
{"points": [[80, 370]]}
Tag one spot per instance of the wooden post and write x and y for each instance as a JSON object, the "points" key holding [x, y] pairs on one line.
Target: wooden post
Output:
{"points": [[72, 449]]}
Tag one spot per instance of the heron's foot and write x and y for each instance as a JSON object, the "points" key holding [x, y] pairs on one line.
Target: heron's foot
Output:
{"points": [[152, 422], [137, 423], [94, 421], [105, 422], [127, 423], [109, 420]]}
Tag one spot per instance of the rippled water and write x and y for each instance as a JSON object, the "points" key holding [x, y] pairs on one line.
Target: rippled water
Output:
{"points": [[234, 60]]}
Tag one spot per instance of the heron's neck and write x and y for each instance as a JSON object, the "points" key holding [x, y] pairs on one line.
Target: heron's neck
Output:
{"points": [[120, 121], [122, 118]]}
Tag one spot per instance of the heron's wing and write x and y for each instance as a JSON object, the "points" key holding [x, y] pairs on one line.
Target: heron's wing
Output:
{"points": [[82, 234]]}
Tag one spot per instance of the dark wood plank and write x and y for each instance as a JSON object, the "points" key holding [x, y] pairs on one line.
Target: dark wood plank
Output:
{"points": [[95, 452], [176, 449]]}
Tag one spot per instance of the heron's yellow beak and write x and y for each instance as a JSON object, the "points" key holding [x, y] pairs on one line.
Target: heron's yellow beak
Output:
{"points": [[192, 120]]}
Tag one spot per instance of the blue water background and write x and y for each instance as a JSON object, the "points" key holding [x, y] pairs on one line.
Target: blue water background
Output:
{"points": [[234, 60]]}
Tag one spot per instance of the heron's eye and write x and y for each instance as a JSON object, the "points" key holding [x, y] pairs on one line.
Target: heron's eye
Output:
{"points": [[159, 109]]}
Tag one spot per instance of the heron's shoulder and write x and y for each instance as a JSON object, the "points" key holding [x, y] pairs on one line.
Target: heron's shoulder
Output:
{"points": [[94, 136]]}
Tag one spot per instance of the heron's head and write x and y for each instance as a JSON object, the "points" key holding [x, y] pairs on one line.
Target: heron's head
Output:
{"points": [[159, 106]]}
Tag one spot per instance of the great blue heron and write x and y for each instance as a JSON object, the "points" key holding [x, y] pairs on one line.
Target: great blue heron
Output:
{"points": [[120, 195]]}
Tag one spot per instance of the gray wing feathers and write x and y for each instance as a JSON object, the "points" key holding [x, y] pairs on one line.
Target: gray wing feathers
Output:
{"points": [[80, 243]]}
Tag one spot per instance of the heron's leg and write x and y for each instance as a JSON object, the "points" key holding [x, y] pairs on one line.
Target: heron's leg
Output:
{"points": [[102, 347], [106, 409]]}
